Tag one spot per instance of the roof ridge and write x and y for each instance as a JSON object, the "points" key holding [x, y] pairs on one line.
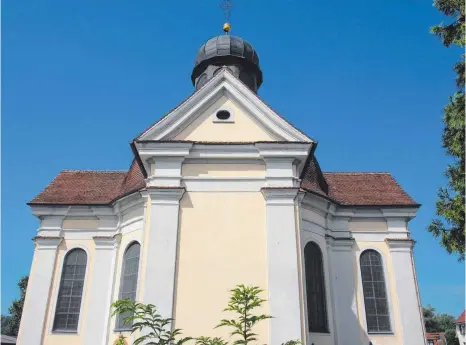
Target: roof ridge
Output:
{"points": [[95, 171], [358, 172]]}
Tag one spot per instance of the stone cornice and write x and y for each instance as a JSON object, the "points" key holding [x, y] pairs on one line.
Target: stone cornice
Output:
{"points": [[400, 244], [279, 196], [47, 242], [164, 195], [107, 242], [340, 244]]}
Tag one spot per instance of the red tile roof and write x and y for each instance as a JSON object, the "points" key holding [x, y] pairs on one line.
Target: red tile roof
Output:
{"points": [[74, 187], [462, 318], [85, 187]]}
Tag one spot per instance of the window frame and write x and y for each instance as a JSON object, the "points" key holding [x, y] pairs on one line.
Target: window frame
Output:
{"points": [[388, 287], [323, 284], [56, 290], [118, 291]]}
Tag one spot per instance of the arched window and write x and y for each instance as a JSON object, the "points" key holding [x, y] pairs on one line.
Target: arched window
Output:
{"points": [[375, 293], [315, 289], [71, 291], [129, 279]]}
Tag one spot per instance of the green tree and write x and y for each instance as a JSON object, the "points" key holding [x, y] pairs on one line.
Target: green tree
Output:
{"points": [[243, 300], [440, 323], [6, 319], [449, 226], [145, 318], [10, 323], [430, 321]]}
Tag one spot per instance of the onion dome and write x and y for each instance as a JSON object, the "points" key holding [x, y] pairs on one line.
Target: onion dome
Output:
{"points": [[232, 52]]}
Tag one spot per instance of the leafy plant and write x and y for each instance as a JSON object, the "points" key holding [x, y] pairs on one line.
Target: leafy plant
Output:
{"points": [[144, 317], [449, 226], [120, 340], [243, 300], [10, 323], [210, 341]]}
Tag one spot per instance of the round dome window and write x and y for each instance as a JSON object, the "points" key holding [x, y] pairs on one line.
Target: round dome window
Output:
{"points": [[223, 115]]}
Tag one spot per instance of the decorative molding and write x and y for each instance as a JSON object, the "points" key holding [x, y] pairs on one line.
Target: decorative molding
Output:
{"points": [[230, 110], [340, 244], [223, 84], [107, 242], [47, 242], [165, 196], [280, 196], [223, 184], [400, 244]]}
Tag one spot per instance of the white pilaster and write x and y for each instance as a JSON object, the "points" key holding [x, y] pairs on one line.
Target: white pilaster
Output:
{"points": [[161, 249], [38, 291], [282, 257], [343, 266], [100, 290], [163, 161], [407, 291]]}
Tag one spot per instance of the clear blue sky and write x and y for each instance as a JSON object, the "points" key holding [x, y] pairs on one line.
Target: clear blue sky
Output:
{"points": [[365, 78]]}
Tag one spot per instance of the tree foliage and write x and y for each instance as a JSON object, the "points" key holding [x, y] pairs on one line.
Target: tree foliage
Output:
{"points": [[243, 300], [10, 323], [440, 323], [155, 329], [449, 226]]}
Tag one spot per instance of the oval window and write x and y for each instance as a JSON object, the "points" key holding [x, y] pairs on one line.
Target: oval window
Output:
{"points": [[223, 115]]}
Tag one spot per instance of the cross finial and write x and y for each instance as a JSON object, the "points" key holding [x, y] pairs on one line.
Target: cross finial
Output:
{"points": [[227, 6]]}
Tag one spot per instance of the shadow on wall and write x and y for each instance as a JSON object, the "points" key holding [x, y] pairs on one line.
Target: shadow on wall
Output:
{"points": [[349, 302]]}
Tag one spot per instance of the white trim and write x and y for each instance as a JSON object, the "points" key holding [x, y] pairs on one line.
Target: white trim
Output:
{"points": [[57, 289], [162, 249], [128, 223], [283, 271], [332, 291], [231, 119], [224, 83], [388, 290], [410, 309], [223, 184], [369, 236], [36, 307]]}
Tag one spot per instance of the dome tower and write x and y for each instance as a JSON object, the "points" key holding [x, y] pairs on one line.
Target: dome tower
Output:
{"points": [[232, 52]]}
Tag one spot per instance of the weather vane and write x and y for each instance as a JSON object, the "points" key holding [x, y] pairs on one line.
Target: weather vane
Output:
{"points": [[227, 6]]}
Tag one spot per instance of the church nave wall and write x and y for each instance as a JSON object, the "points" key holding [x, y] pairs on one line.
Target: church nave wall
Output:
{"points": [[222, 243]]}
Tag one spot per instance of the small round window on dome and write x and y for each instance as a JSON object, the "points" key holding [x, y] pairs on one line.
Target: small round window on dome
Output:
{"points": [[223, 115]]}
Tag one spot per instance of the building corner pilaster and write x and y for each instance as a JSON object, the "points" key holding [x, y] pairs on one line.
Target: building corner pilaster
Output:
{"points": [[161, 248], [101, 289], [401, 251], [37, 299], [343, 287], [283, 264]]}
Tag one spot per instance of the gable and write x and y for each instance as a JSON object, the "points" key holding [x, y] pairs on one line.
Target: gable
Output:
{"points": [[253, 119], [240, 127]]}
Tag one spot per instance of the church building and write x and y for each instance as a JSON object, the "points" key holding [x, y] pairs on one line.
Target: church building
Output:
{"points": [[223, 191]]}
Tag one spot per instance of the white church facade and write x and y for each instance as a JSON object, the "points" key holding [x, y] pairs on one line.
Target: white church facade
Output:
{"points": [[224, 191]]}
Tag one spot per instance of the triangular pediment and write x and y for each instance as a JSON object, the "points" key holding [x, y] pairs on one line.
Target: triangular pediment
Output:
{"points": [[250, 120]]}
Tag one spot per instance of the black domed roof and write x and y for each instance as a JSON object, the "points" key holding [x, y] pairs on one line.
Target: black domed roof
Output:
{"points": [[226, 45]]}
